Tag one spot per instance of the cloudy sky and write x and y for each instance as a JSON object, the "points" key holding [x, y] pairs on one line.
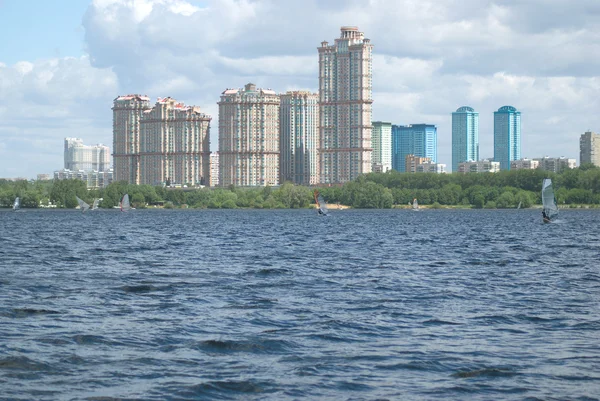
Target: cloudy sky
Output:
{"points": [[63, 62]]}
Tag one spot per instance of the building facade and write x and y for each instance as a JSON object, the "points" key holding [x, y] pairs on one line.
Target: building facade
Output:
{"points": [[382, 146], [480, 166], [431, 167], [524, 164], [127, 113], [556, 164], [174, 144], [589, 148], [83, 157], [92, 179], [507, 136], [345, 100], [214, 169], [412, 161], [299, 137], [417, 139], [465, 136], [249, 137]]}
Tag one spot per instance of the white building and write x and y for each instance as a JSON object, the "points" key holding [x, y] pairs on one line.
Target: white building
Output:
{"points": [[431, 167], [93, 179], [83, 157], [382, 146], [524, 164], [214, 169], [481, 166]]}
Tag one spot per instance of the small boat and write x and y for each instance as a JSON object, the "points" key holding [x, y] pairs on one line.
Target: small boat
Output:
{"points": [[16, 204], [124, 205], [321, 205], [95, 204], [82, 205], [549, 207], [415, 205]]}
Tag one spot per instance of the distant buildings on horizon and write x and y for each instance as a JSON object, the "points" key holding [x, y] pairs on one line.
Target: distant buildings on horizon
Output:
{"points": [[307, 138]]}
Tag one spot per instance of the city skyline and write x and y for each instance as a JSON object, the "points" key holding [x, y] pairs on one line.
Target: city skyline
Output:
{"points": [[62, 76]]}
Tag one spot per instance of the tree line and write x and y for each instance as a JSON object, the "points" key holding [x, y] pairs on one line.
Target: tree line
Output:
{"points": [[505, 189]]}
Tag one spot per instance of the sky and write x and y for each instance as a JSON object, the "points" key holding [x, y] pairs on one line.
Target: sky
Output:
{"points": [[63, 62]]}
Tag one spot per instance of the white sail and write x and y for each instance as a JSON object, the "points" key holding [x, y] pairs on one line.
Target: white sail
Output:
{"points": [[95, 204], [17, 204], [321, 205], [82, 205], [125, 206], [548, 200], [519, 206], [415, 204]]}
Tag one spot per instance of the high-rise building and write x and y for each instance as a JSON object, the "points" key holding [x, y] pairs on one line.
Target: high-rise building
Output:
{"points": [[345, 100], [507, 136], [174, 144], [417, 139], [299, 137], [127, 113], [382, 146], [83, 157], [249, 137], [465, 136], [589, 148]]}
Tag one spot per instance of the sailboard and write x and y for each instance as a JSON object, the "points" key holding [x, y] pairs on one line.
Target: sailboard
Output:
{"points": [[125, 206], [415, 204], [95, 204], [321, 205], [82, 205], [549, 208], [17, 204], [519, 205]]}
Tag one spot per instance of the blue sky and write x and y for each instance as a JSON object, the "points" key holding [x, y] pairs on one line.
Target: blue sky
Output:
{"points": [[36, 29], [63, 62]]}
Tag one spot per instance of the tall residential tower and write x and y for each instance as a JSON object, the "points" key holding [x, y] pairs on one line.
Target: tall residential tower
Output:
{"points": [[345, 99], [299, 137], [174, 144], [382, 146], [589, 148], [507, 136], [465, 136], [249, 137], [127, 113]]}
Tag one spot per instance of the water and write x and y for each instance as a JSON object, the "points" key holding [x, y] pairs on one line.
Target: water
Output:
{"points": [[285, 305]]}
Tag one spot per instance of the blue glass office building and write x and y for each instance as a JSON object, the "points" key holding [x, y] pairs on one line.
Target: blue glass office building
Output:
{"points": [[465, 136], [507, 136], [417, 139]]}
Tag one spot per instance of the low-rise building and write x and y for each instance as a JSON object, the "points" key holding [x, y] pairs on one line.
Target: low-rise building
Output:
{"points": [[556, 164], [524, 164], [480, 166]]}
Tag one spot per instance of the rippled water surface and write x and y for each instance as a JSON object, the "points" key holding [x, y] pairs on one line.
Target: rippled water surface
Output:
{"points": [[285, 305]]}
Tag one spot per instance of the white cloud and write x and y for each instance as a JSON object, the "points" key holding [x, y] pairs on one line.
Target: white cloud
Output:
{"points": [[430, 57]]}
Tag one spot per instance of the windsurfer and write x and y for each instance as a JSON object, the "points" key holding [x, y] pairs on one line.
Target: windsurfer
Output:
{"points": [[545, 216]]}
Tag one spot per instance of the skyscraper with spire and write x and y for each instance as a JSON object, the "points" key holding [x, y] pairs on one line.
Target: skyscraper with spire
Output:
{"points": [[345, 99]]}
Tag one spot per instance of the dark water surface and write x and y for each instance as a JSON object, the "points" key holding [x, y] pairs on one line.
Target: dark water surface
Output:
{"points": [[284, 305]]}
